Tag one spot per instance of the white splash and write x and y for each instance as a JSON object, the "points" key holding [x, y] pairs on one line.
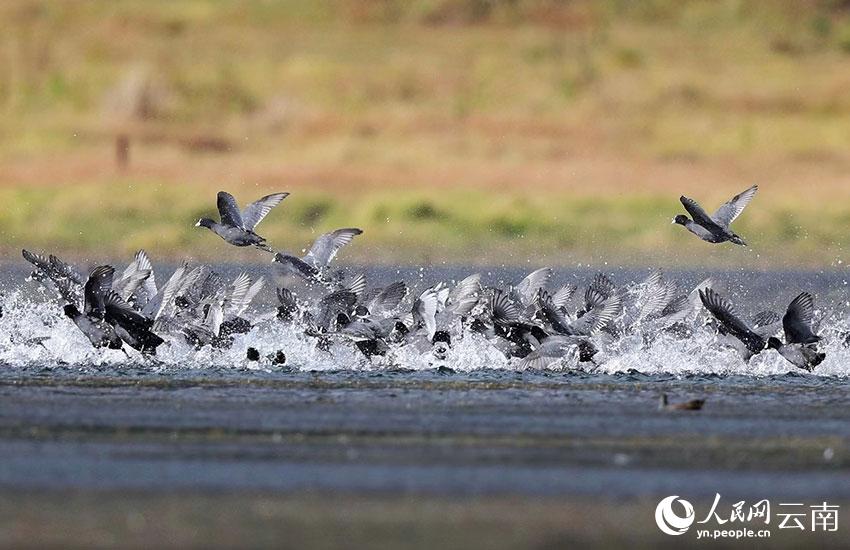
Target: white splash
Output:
{"points": [[34, 333]]}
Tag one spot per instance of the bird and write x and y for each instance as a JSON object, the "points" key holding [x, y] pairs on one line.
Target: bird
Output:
{"points": [[312, 268], [238, 227], [692, 405], [92, 320], [715, 229], [800, 340], [744, 339]]}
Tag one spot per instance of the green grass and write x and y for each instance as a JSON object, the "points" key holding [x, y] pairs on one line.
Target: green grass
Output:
{"points": [[413, 226], [456, 130]]}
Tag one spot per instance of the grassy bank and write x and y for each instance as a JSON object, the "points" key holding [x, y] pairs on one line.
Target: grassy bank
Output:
{"points": [[450, 130], [456, 225]]}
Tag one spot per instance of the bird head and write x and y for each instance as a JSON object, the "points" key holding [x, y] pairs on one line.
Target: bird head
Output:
{"points": [[681, 219], [204, 222]]}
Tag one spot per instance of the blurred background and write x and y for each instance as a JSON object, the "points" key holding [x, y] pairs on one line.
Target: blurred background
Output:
{"points": [[460, 131]]}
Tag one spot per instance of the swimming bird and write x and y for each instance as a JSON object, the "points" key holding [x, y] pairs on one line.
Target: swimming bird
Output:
{"points": [[715, 229], [800, 340], [237, 227], [692, 405]]}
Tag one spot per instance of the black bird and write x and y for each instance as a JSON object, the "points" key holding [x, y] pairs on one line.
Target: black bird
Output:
{"points": [[92, 320], [103, 302], [800, 340], [238, 227], [746, 340], [313, 265], [715, 229]]}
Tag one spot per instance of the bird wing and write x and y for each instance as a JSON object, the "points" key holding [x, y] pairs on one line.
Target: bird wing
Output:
{"points": [[551, 350], [730, 210], [287, 299], [724, 312], [98, 285], [601, 288], [534, 281], [331, 305], [464, 296], [235, 296], [228, 208], [37, 260], [797, 321], [148, 287], [257, 210], [132, 278], [502, 309], [425, 310], [388, 299], [697, 213], [162, 299], [598, 317], [655, 296], [563, 295], [64, 270], [356, 284], [550, 313], [326, 247]]}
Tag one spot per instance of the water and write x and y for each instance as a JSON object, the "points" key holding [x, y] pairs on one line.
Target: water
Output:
{"points": [[31, 312], [76, 418]]}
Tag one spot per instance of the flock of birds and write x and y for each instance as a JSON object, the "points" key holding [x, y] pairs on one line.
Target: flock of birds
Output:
{"points": [[532, 324]]}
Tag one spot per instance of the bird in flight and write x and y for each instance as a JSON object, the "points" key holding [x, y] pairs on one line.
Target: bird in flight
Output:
{"points": [[715, 229], [238, 227]]}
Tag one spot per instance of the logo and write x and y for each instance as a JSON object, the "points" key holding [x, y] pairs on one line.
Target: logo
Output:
{"points": [[668, 521]]}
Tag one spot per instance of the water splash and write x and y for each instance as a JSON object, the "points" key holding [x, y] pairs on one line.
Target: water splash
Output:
{"points": [[34, 333]]}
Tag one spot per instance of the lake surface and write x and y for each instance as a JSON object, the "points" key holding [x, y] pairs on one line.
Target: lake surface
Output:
{"points": [[76, 421]]}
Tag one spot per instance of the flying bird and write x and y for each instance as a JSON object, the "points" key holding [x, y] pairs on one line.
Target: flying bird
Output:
{"points": [[237, 227], [313, 266], [800, 347], [715, 229]]}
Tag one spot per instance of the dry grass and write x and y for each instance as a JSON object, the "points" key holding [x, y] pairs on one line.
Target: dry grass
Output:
{"points": [[492, 132]]}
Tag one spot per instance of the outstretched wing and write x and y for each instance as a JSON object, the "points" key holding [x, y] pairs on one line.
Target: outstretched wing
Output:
{"points": [[97, 287], [601, 288], [229, 210], [727, 213], [326, 247], [257, 210], [597, 318], [388, 299], [697, 213], [534, 281], [725, 314], [797, 321], [502, 309], [425, 311]]}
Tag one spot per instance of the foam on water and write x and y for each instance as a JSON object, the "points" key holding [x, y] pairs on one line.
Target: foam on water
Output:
{"points": [[34, 333]]}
